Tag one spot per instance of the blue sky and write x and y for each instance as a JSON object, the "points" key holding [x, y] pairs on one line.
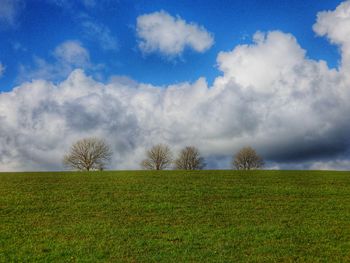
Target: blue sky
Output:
{"points": [[217, 75], [40, 26]]}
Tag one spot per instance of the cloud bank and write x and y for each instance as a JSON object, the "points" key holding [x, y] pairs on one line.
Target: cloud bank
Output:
{"points": [[168, 35], [270, 95]]}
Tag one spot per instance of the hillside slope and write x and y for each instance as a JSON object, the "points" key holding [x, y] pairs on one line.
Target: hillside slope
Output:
{"points": [[139, 216]]}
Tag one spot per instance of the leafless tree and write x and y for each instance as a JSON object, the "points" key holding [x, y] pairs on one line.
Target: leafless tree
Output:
{"points": [[88, 154], [247, 159], [159, 157], [189, 159]]}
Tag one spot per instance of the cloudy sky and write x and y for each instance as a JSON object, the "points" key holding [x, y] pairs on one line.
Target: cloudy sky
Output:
{"points": [[218, 75]]}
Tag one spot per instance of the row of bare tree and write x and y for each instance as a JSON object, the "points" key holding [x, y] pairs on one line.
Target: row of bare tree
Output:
{"points": [[160, 157], [95, 154]]}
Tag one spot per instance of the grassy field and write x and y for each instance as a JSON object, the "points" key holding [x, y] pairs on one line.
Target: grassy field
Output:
{"points": [[174, 216]]}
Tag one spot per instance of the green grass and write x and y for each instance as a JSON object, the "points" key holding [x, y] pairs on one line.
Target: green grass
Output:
{"points": [[175, 216]]}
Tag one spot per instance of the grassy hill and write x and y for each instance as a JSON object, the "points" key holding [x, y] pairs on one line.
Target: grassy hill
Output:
{"points": [[138, 216]]}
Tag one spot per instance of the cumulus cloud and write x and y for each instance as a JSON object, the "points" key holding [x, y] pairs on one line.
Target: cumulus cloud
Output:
{"points": [[9, 11], [299, 103], [336, 26], [270, 95], [73, 53], [67, 56], [161, 32]]}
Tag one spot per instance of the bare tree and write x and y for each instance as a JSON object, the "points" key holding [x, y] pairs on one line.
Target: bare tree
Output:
{"points": [[247, 159], [159, 157], [88, 154], [189, 159]]}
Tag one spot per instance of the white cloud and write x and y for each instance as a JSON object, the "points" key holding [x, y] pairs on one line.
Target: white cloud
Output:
{"points": [[336, 26], [73, 53], [292, 109], [263, 59], [161, 32], [67, 56], [9, 11], [2, 69]]}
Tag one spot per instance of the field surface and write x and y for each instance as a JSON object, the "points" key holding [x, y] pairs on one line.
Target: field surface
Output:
{"points": [[175, 216]]}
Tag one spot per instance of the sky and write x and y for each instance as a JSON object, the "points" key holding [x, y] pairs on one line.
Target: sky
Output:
{"points": [[218, 75]]}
